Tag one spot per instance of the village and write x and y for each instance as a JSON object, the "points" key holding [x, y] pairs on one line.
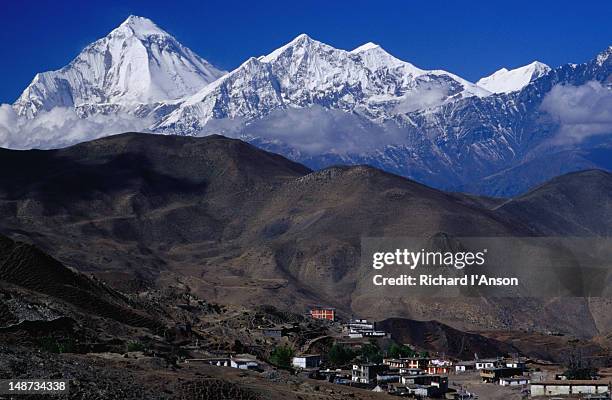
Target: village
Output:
{"points": [[357, 353]]}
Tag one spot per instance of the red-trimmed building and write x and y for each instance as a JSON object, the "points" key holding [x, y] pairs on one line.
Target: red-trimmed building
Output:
{"points": [[440, 369], [323, 313]]}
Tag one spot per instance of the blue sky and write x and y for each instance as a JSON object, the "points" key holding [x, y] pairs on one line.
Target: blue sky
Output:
{"points": [[469, 38]]}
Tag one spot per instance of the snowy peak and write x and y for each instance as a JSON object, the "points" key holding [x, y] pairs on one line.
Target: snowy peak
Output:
{"points": [[300, 45], [375, 57], [304, 73], [508, 81], [365, 47], [304, 49], [140, 27], [136, 63]]}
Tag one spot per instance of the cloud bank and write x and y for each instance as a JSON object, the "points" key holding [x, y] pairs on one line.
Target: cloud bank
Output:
{"points": [[61, 127], [313, 130], [581, 111]]}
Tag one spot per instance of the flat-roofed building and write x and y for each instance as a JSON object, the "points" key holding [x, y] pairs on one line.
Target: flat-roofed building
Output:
{"points": [[440, 369], [518, 381], [359, 328], [515, 363], [411, 371], [408, 362], [465, 366], [487, 363], [306, 361], [440, 366], [426, 380], [495, 374], [423, 391], [570, 387], [366, 373], [244, 363], [327, 313]]}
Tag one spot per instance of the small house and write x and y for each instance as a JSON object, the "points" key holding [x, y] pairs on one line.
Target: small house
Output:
{"points": [[244, 363], [323, 313], [570, 387], [422, 391], [491, 375], [465, 366], [427, 380], [408, 362], [306, 361], [518, 381], [442, 367], [515, 363], [487, 363], [366, 373], [359, 328]]}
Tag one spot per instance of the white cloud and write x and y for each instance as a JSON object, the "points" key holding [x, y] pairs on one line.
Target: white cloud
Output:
{"points": [[61, 127], [425, 97], [314, 130], [581, 111]]}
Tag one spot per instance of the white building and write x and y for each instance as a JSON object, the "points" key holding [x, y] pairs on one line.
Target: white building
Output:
{"points": [[366, 373], [243, 363], [359, 328], [306, 361], [486, 363], [465, 366], [515, 364], [569, 387], [513, 381]]}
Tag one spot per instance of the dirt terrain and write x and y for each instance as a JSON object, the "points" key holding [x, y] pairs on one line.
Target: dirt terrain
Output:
{"points": [[108, 376], [59, 323], [554, 347], [122, 257], [472, 383]]}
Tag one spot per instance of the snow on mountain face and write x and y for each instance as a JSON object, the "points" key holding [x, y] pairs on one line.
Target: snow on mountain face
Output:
{"points": [[307, 100], [604, 57], [508, 81], [136, 63], [304, 72]]}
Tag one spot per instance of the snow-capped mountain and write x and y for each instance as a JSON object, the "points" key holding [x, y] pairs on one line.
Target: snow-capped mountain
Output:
{"points": [[507, 81], [470, 142], [320, 105], [304, 73], [137, 63]]}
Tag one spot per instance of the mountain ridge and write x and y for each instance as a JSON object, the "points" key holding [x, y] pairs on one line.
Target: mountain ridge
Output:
{"points": [[320, 105]]}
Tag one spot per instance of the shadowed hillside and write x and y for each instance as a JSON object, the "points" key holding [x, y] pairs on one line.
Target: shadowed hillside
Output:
{"points": [[576, 204], [240, 225], [27, 267]]}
